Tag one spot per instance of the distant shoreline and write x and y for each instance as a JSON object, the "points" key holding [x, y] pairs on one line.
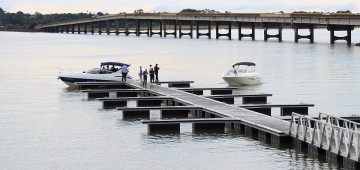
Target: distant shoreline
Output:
{"points": [[18, 30]]}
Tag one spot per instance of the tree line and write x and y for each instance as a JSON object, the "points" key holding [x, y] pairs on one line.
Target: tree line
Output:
{"points": [[24, 21]]}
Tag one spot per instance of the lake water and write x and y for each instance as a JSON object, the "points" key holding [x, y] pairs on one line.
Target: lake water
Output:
{"points": [[45, 125]]}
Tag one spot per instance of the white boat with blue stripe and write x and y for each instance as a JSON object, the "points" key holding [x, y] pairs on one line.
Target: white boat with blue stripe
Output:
{"points": [[108, 71]]}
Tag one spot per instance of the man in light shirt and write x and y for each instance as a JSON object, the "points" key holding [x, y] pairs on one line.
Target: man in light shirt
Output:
{"points": [[124, 71]]}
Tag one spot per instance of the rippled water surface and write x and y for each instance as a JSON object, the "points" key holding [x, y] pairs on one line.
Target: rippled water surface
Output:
{"points": [[45, 125]]}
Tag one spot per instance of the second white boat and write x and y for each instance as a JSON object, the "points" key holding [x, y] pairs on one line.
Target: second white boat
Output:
{"points": [[242, 73]]}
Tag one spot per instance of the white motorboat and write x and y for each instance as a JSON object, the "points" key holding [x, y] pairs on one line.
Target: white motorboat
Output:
{"points": [[242, 73], [108, 71]]}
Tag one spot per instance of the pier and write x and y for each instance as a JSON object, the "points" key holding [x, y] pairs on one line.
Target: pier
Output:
{"points": [[182, 24], [336, 138]]}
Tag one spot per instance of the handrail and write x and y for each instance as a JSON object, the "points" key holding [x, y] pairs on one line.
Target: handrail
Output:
{"points": [[330, 137], [345, 123]]}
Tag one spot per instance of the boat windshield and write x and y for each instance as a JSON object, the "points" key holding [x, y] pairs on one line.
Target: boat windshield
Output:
{"points": [[99, 71], [244, 69]]}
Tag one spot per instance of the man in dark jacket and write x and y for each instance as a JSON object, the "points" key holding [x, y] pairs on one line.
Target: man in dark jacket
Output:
{"points": [[156, 70]]}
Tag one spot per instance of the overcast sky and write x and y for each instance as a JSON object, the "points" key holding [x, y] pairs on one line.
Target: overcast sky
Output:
{"points": [[117, 6]]}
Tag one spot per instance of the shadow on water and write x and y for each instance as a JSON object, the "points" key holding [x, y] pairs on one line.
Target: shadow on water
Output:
{"points": [[71, 89]]}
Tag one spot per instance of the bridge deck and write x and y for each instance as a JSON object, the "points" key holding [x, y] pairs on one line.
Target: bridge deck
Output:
{"points": [[253, 119]]}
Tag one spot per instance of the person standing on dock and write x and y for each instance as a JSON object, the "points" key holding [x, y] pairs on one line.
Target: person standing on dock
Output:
{"points": [[156, 70], [141, 74], [151, 72], [145, 73], [124, 71]]}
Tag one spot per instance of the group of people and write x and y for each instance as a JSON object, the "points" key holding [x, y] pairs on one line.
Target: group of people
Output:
{"points": [[153, 72]]}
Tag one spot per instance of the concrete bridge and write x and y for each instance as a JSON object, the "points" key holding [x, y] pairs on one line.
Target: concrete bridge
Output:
{"points": [[182, 24]]}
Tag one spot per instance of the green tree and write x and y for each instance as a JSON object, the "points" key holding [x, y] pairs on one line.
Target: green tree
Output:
{"points": [[189, 10]]}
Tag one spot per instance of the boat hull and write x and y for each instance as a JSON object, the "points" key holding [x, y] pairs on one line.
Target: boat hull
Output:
{"points": [[238, 80], [71, 79]]}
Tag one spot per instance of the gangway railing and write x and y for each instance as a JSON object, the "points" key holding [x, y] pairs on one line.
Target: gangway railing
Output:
{"points": [[330, 137], [348, 124]]}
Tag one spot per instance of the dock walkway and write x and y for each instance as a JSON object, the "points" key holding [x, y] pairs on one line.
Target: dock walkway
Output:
{"points": [[252, 119]]}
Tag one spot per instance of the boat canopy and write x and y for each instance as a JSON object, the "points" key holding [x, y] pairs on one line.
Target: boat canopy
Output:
{"points": [[245, 63], [114, 63]]}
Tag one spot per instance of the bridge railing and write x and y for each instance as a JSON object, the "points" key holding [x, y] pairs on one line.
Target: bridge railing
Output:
{"points": [[330, 137], [337, 19]]}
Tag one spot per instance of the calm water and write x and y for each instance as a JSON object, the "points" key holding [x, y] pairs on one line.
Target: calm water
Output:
{"points": [[45, 125]]}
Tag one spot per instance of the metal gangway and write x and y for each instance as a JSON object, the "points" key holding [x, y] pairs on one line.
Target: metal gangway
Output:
{"points": [[333, 134]]}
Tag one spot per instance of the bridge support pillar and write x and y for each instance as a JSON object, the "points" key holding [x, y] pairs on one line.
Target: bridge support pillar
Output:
{"points": [[151, 28], [227, 34], [170, 33], [198, 34], [67, 29], [108, 27], [333, 28], [116, 27], [73, 29], [241, 35], [85, 29], [62, 29], [267, 25], [99, 24], [92, 28], [190, 33], [296, 28], [138, 28], [78, 28], [127, 26]]}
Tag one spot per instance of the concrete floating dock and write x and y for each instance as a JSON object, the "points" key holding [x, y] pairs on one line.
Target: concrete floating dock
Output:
{"points": [[213, 91], [179, 105], [101, 93], [198, 124], [285, 109], [141, 101], [247, 98], [103, 85], [165, 111]]}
